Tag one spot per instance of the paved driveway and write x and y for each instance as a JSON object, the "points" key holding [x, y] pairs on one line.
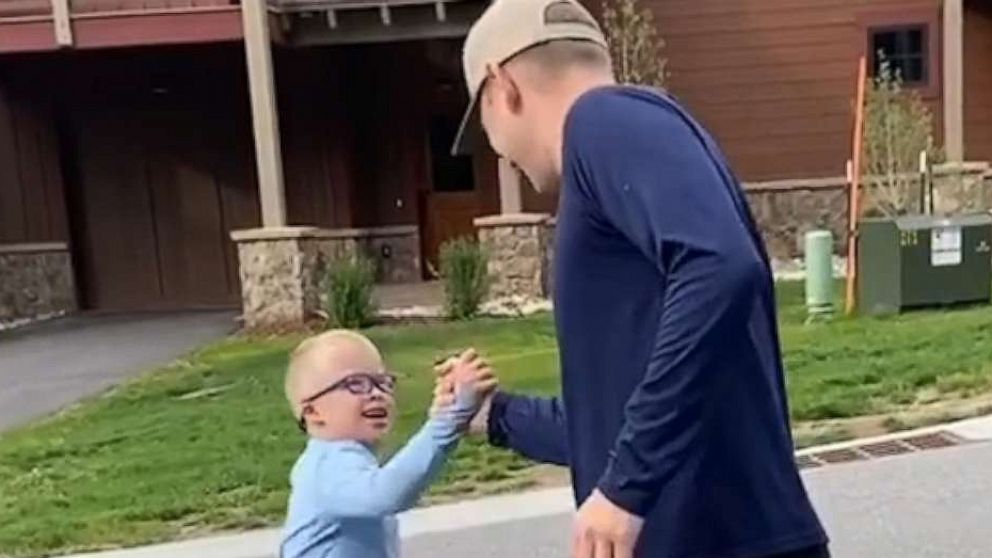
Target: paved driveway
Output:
{"points": [[48, 366]]}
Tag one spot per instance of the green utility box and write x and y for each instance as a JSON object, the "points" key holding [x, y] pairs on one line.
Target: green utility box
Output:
{"points": [[920, 261]]}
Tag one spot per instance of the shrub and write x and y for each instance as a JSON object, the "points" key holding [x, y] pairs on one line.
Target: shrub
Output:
{"points": [[464, 268], [898, 126], [349, 296]]}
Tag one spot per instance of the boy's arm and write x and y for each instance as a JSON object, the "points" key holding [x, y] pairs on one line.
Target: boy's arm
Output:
{"points": [[354, 488], [534, 427]]}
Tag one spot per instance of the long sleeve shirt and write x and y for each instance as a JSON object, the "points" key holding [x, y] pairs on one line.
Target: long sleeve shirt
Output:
{"points": [[673, 398], [343, 503]]}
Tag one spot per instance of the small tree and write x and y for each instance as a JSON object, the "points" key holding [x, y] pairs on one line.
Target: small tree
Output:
{"points": [[898, 126], [635, 46]]}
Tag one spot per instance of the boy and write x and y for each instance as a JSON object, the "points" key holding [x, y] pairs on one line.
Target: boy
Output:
{"points": [[343, 503]]}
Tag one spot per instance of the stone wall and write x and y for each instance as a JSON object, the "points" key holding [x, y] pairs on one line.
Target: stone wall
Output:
{"points": [[549, 257], [518, 249], [785, 212], [962, 188], [36, 281], [275, 277], [395, 251], [284, 270]]}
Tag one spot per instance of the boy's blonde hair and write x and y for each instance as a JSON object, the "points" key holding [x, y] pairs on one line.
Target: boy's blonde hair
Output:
{"points": [[307, 354]]}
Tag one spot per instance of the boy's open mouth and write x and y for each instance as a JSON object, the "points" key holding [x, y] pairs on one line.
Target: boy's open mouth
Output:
{"points": [[375, 413]]}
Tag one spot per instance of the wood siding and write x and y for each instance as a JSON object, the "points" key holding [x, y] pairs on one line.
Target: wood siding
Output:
{"points": [[29, 8], [978, 81], [773, 80], [316, 129], [32, 201], [156, 149], [388, 96], [356, 142], [160, 172]]}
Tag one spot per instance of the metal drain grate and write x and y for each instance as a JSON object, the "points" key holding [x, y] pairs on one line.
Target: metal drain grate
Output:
{"points": [[887, 448], [807, 462], [839, 456], [936, 440]]}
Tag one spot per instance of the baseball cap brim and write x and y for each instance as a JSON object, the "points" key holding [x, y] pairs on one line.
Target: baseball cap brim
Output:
{"points": [[470, 129], [505, 29]]}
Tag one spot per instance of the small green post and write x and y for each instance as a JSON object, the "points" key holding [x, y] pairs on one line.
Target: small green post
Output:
{"points": [[819, 274]]}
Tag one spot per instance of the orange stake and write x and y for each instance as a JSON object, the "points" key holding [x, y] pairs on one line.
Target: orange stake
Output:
{"points": [[855, 195]]}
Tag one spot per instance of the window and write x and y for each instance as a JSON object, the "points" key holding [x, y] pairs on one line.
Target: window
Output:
{"points": [[907, 50]]}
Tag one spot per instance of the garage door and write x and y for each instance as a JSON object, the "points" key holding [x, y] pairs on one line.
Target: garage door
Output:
{"points": [[157, 179]]}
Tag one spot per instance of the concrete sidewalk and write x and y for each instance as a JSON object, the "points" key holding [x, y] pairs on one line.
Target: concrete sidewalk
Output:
{"points": [[536, 524]]}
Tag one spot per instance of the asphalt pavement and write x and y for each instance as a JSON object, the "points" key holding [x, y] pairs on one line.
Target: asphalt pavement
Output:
{"points": [[47, 366], [935, 504]]}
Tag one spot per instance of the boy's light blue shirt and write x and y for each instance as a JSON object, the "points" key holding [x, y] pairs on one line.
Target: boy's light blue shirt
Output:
{"points": [[344, 504]]}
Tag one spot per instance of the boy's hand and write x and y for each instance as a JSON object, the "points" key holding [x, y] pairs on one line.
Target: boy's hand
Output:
{"points": [[444, 398], [468, 371]]}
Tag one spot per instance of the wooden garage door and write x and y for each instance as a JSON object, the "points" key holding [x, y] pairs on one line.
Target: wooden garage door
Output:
{"points": [[156, 185]]}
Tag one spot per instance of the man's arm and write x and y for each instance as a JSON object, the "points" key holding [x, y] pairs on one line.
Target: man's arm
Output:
{"points": [[534, 427], [655, 182], [531, 426]]}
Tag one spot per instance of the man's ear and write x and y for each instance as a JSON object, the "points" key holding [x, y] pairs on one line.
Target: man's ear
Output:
{"points": [[490, 72], [506, 86]]}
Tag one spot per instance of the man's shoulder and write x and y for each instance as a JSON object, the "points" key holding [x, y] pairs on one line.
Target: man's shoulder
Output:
{"points": [[620, 114], [615, 101]]}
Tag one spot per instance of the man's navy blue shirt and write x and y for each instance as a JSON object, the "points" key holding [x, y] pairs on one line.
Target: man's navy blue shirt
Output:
{"points": [[673, 399]]}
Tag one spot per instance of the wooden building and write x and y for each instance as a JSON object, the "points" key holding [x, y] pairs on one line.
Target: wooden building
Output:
{"points": [[127, 142]]}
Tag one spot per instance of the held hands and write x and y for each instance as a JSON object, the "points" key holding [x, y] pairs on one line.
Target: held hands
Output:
{"points": [[467, 371], [604, 530]]}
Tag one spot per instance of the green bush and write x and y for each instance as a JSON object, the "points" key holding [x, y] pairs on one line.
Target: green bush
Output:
{"points": [[349, 296], [464, 270]]}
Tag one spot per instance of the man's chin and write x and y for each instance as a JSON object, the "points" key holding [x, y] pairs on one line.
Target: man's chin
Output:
{"points": [[548, 188], [547, 185]]}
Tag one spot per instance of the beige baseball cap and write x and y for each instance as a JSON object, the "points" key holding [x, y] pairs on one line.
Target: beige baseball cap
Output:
{"points": [[507, 28]]}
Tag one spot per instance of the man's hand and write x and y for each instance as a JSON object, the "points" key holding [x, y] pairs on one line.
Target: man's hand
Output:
{"points": [[604, 530], [456, 370], [467, 371]]}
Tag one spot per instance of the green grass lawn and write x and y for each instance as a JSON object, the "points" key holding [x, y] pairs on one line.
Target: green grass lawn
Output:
{"points": [[207, 443]]}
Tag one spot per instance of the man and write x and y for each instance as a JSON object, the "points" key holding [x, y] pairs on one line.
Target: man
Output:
{"points": [[673, 417]]}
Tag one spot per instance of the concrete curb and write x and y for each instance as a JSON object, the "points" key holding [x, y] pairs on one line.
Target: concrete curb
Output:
{"points": [[475, 513], [973, 430]]}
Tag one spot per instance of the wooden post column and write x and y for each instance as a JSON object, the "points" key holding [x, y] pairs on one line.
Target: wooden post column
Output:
{"points": [[264, 114], [954, 79]]}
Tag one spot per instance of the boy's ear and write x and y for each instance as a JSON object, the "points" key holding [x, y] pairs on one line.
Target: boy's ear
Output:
{"points": [[310, 413]]}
